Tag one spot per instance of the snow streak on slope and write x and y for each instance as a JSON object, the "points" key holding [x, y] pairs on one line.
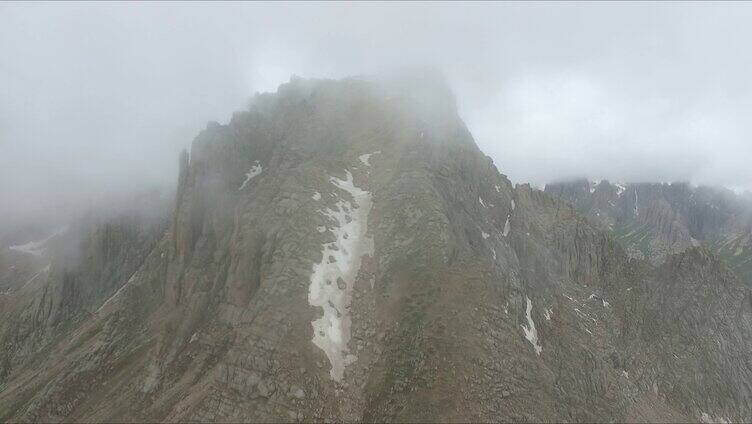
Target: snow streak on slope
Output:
{"points": [[117, 293], [531, 334], [333, 278]]}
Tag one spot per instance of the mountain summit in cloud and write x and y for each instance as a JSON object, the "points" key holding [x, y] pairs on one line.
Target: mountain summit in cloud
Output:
{"points": [[342, 250]]}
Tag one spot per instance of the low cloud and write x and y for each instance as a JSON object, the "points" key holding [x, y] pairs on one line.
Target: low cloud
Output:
{"points": [[99, 98]]}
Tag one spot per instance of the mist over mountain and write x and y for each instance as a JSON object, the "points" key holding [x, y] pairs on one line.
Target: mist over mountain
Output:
{"points": [[347, 212], [342, 250], [99, 98]]}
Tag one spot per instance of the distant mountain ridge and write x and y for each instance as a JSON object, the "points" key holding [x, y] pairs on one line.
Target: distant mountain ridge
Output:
{"points": [[654, 220]]}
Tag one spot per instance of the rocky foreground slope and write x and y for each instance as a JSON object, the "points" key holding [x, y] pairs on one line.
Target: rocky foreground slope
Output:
{"points": [[343, 251]]}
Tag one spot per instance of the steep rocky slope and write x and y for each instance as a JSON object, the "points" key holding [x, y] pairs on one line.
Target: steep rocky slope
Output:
{"points": [[654, 220], [343, 251], [54, 284]]}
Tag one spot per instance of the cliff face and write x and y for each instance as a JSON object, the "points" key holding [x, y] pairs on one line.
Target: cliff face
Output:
{"points": [[344, 251]]}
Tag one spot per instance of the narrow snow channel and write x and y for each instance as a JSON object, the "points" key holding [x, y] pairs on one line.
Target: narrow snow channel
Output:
{"points": [[255, 170], [531, 334], [333, 278]]}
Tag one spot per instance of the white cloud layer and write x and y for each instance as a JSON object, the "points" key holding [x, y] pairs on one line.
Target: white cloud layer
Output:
{"points": [[100, 97]]}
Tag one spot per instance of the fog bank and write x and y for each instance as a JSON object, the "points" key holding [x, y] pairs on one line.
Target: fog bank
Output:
{"points": [[98, 98]]}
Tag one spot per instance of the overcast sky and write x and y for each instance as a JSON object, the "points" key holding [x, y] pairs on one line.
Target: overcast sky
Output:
{"points": [[98, 98]]}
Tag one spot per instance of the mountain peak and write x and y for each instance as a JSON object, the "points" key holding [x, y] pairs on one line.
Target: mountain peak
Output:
{"points": [[343, 251]]}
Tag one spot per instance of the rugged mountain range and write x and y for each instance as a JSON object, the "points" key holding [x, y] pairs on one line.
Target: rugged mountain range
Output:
{"points": [[343, 251], [655, 220]]}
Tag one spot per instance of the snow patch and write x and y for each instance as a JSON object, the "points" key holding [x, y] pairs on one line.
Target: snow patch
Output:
{"points": [[513, 205], [316, 196], [254, 171], [531, 334], [498, 189], [481, 202], [34, 248], [37, 248], [366, 158], [548, 313], [493, 251], [485, 235], [333, 279]]}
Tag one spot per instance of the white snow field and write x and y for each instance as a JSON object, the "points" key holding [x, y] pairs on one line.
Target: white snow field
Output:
{"points": [[333, 279]]}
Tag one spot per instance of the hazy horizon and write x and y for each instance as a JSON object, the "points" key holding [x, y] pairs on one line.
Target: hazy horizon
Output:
{"points": [[99, 98]]}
